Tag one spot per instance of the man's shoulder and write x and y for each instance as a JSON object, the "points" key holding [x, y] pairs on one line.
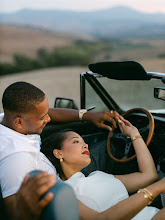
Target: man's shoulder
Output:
{"points": [[11, 146], [7, 147], [5, 141], [1, 116]]}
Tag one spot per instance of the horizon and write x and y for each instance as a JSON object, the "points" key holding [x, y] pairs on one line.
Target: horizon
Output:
{"points": [[148, 6], [71, 10]]}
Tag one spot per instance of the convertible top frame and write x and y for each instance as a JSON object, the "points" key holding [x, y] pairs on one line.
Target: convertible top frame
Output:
{"points": [[124, 70], [98, 88]]}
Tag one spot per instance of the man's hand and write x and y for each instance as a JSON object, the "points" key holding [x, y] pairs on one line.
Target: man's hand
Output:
{"points": [[29, 203], [99, 118]]}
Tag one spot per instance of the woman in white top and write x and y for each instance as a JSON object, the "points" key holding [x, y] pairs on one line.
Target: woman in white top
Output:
{"points": [[101, 195]]}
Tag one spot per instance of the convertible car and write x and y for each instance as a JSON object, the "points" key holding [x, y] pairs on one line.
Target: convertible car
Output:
{"points": [[125, 87]]}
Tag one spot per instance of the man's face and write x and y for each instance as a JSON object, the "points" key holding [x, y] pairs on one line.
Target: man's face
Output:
{"points": [[36, 120]]}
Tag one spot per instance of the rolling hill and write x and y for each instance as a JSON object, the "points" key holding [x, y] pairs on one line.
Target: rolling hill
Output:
{"points": [[114, 23], [27, 40]]}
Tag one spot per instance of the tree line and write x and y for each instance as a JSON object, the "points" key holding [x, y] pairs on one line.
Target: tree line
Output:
{"points": [[79, 54]]}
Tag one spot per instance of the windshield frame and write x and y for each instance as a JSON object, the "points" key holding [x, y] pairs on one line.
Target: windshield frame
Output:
{"points": [[100, 90]]}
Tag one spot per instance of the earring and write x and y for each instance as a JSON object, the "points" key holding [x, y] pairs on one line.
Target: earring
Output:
{"points": [[61, 160]]}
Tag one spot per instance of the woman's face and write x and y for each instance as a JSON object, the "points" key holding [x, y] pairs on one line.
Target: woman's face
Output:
{"points": [[75, 151]]}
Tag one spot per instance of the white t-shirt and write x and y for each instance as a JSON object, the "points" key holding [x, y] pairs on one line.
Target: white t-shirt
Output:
{"points": [[19, 154], [100, 191]]}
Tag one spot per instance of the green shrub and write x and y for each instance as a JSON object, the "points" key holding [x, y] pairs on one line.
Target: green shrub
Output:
{"points": [[6, 68], [162, 55], [80, 53], [23, 63]]}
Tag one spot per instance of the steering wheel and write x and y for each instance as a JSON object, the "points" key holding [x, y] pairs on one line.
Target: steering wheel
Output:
{"points": [[150, 127]]}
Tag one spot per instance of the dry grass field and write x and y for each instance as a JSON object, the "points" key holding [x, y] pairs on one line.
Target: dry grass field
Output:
{"points": [[138, 50], [55, 82], [26, 40], [64, 81]]}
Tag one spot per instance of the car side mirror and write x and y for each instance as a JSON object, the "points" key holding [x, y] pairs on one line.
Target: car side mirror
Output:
{"points": [[65, 103], [159, 93]]}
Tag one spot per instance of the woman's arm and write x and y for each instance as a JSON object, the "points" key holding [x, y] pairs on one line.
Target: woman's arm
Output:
{"points": [[147, 172], [160, 215], [126, 209]]}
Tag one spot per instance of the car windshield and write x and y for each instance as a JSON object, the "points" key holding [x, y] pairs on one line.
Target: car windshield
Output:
{"points": [[127, 94]]}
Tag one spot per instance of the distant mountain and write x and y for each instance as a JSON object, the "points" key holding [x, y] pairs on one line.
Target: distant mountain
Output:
{"points": [[114, 23]]}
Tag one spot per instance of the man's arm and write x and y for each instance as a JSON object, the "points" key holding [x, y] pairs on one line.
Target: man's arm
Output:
{"points": [[27, 204], [97, 118]]}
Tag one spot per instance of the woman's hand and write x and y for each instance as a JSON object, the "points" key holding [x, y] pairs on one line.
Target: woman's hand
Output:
{"points": [[147, 172], [127, 128]]}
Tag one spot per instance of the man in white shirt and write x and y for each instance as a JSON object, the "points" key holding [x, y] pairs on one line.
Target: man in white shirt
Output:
{"points": [[19, 155], [26, 113]]}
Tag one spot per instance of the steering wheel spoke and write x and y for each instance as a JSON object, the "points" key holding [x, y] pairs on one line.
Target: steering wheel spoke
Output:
{"points": [[119, 136], [128, 143], [127, 149], [144, 129]]}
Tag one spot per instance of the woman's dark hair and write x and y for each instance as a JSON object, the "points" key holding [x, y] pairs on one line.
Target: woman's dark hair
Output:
{"points": [[54, 141]]}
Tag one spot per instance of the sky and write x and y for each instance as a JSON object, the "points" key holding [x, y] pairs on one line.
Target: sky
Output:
{"points": [[150, 6]]}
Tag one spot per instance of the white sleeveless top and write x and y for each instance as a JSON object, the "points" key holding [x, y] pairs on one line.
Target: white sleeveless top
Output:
{"points": [[100, 191]]}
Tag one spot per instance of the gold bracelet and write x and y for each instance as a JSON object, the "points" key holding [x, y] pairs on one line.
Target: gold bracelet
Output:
{"points": [[136, 137], [147, 194]]}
